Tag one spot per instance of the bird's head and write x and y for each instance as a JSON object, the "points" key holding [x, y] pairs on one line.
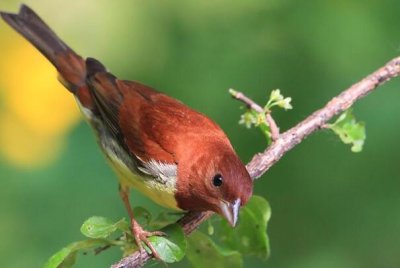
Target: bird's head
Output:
{"points": [[213, 178]]}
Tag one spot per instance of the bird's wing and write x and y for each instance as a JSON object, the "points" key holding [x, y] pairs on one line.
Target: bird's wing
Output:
{"points": [[147, 124], [114, 102]]}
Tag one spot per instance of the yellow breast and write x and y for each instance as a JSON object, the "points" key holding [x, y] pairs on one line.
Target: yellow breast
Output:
{"points": [[159, 191], [155, 180]]}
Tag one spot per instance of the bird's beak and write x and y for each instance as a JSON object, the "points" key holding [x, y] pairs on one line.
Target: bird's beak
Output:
{"points": [[230, 211]]}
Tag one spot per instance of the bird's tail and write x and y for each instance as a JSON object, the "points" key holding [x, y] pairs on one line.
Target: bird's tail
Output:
{"points": [[71, 66]]}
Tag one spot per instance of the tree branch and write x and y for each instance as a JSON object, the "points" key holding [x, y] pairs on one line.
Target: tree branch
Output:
{"points": [[261, 162]]}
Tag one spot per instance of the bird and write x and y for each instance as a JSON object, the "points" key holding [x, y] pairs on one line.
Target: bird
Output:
{"points": [[178, 157]]}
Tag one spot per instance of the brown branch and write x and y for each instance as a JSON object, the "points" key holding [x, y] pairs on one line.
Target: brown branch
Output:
{"points": [[246, 100], [263, 161]]}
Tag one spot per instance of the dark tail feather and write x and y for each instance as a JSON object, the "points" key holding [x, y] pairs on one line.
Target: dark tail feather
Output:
{"points": [[94, 66], [70, 65], [28, 24]]}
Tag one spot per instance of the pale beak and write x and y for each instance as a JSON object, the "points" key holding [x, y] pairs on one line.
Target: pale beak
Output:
{"points": [[230, 211]]}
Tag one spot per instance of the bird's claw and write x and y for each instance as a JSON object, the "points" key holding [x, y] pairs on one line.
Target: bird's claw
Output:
{"points": [[142, 235]]}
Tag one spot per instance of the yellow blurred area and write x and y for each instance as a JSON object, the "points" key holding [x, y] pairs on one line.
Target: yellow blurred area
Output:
{"points": [[22, 145], [37, 109]]}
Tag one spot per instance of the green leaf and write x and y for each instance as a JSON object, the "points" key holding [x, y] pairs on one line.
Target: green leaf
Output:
{"points": [[250, 235], [142, 216], [69, 261], [58, 258], [66, 257], [204, 253], [100, 227], [96, 228], [349, 130], [171, 248], [165, 218]]}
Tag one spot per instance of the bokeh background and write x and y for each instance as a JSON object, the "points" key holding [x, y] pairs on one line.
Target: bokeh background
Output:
{"points": [[330, 207]]}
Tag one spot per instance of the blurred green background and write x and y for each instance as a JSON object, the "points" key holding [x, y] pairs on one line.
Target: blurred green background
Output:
{"points": [[330, 207]]}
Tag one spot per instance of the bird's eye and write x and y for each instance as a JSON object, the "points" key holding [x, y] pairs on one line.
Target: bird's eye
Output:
{"points": [[217, 180]]}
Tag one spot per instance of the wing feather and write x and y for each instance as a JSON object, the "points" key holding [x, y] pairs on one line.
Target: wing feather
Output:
{"points": [[111, 97]]}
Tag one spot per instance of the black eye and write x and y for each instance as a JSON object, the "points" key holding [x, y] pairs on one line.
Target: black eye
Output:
{"points": [[217, 180]]}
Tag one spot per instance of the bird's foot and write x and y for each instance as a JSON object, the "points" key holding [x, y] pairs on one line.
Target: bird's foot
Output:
{"points": [[142, 235]]}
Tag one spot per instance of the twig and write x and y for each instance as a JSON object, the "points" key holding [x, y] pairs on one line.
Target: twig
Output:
{"points": [[263, 161], [99, 250], [254, 106], [246, 100], [272, 126]]}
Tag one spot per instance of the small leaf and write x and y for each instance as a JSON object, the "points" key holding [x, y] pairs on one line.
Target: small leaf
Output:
{"points": [[69, 261], [258, 118], [349, 130], [165, 218], [171, 248], [275, 95], [277, 99], [123, 225], [250, 236], [285, 103], [210, 228], [252, 118], [57, 259], [142, 215], [65, 258], [248, 119], [100, 227], [204, 253]]}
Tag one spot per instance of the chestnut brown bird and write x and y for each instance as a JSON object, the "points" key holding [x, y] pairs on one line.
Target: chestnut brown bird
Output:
{"points": [[178, 157]]}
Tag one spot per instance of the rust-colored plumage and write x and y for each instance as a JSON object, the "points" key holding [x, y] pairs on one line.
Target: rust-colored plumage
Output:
{"points": [[177, 156]]}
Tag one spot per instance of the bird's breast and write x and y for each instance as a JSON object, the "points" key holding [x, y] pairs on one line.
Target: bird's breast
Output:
{"points": [[161, 189]]}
